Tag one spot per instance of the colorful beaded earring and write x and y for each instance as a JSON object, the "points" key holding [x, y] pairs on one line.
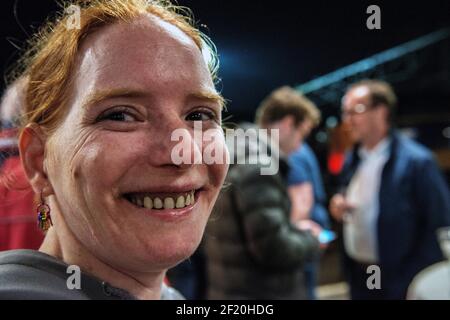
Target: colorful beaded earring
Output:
{"points": [[44, 219]]}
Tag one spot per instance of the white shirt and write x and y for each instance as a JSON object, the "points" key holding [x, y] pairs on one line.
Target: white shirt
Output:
{"points": [[360, 225]]}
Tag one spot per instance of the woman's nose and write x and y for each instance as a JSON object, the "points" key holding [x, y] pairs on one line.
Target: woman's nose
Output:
{"points": [[175, 143]]}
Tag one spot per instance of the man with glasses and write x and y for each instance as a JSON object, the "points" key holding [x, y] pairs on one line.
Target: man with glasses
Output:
{"points": [[394, 197]]}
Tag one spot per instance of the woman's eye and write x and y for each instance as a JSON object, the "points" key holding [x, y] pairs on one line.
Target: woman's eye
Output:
{"points": [[201, 115], [118, 115]]}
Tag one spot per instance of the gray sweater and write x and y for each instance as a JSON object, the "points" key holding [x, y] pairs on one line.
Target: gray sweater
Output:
{"points": [[33, 275]]}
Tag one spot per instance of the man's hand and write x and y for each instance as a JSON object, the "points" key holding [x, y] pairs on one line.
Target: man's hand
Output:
{"points": [[313, 227], [339, 206], [309, 225]]}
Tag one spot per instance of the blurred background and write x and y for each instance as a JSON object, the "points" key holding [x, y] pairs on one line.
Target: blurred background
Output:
{"points": [[318, 47]]}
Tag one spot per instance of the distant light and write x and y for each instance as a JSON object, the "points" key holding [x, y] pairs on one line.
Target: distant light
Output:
{"points": [[446, 132], [331, 122], [321, 137]]}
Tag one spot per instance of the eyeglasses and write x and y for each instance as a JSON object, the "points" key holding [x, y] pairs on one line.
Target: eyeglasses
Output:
{"points": [[357, 109]]}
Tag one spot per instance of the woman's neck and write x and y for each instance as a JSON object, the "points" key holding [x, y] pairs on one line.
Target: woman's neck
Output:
{"points": [[145, 286]]}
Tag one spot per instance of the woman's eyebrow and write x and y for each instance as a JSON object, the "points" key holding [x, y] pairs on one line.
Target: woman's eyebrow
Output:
{"points": [[103, 95], [210, 96]]}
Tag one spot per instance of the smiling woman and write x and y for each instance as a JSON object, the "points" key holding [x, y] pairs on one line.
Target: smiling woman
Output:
{"points": [[102, 102]]}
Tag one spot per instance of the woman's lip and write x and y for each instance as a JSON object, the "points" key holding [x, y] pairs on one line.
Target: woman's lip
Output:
{"points": [[166, 189], [168, 214]]}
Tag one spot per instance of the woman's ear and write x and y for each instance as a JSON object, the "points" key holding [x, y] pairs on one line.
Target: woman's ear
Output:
{"points": [[32, 151]]}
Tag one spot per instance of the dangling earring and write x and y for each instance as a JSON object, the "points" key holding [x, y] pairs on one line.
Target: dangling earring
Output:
{"points": [[44, 219]]}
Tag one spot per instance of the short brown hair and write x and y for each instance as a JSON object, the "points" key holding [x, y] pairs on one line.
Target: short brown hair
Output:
{"points": [[286, 101], [380, 92]]}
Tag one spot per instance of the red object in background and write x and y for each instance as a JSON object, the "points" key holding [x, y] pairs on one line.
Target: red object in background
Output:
{"points": [[336, 162], [341, 141], [18, 220]]}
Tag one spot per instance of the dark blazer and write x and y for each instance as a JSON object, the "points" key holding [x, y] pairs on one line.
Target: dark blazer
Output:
{"points": [[414, 201]]}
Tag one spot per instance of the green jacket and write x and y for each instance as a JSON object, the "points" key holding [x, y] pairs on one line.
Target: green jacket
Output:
{"points": [[253, 251]]}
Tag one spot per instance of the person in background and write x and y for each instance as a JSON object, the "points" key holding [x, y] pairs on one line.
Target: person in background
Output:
{"points": [[253, 250], [306, 189], [394, 200], [18, 222]]}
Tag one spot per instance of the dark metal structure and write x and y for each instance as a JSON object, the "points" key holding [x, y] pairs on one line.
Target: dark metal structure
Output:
{"points": [[421, 65]]}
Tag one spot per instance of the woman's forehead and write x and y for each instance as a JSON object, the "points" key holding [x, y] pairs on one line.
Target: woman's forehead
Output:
{"points": [[144, 31], [150, 52]]}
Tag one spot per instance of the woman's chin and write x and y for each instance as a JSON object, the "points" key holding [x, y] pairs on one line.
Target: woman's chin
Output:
{"points": [[166, 256]]}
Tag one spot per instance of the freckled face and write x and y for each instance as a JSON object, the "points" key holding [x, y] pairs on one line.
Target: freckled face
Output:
{"points": [[135, 84]]}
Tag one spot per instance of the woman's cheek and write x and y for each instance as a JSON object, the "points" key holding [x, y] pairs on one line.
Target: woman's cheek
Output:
{"points": [[214, 148]]}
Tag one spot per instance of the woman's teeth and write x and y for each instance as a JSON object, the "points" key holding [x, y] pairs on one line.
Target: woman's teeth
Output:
{"points": [[180, 201]]}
